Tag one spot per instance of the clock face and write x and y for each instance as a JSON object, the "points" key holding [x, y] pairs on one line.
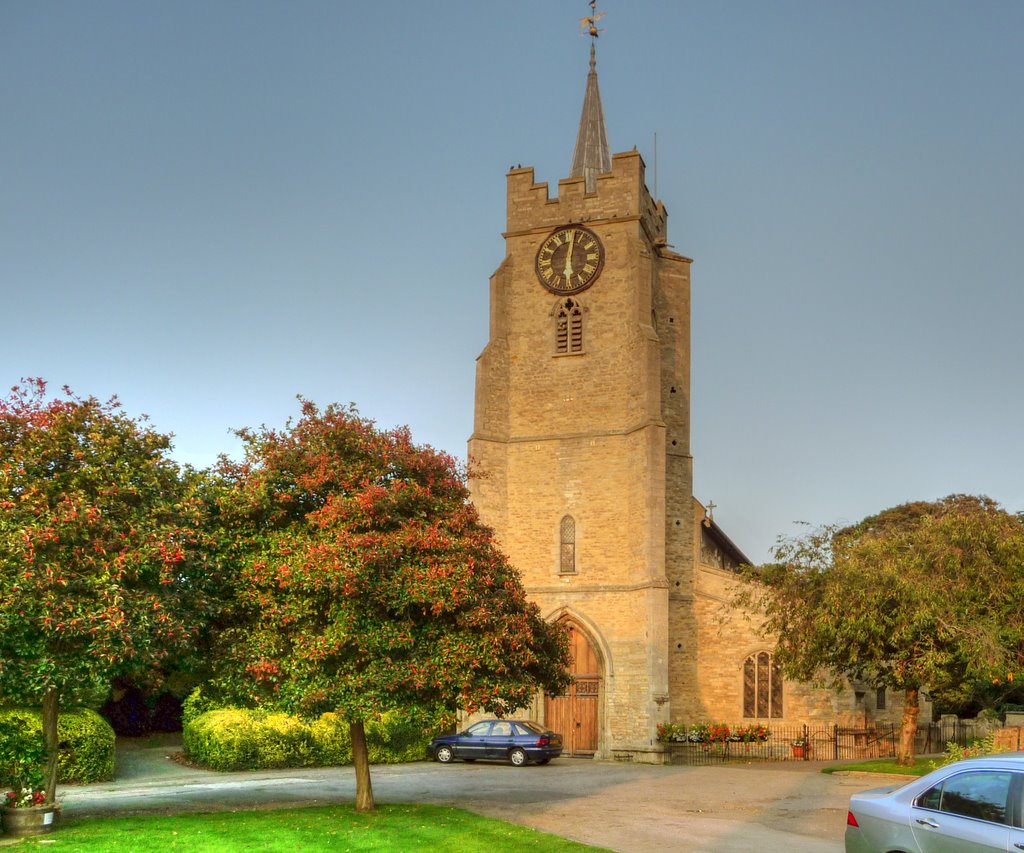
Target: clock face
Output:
{"points": [[570, 260]]}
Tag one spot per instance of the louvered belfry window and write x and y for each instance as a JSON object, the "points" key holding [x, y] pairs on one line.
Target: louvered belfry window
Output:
{"points": [[567, 538], [762, 687], [569, 327]]}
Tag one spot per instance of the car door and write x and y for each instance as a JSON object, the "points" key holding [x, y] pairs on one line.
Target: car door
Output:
{"points": [[1017, 814], [473, 742], [967, 812], [499, 741]]}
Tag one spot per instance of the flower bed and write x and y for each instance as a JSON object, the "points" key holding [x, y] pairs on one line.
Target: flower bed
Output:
{"points": [[24, 799], [710, 733]]}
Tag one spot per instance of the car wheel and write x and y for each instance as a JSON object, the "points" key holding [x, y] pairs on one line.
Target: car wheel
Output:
{"points": [[444, 754], [517, 757]]}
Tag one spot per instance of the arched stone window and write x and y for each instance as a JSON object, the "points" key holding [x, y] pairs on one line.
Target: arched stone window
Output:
{"points": [[762, 687], [567, 546], [569, 327]]}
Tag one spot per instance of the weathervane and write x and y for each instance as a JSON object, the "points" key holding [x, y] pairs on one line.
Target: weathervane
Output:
{"points": [[588, 25]]}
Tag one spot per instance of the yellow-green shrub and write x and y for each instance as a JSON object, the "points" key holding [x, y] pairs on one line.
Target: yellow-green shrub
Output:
{"points": [[394, 739], [197, 703], [332, 740], [237, 739], [224, 739], [86, 742], [284, 741]]}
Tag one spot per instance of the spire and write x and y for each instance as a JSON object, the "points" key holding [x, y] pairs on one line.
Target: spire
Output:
{"points": [[592, 156]]}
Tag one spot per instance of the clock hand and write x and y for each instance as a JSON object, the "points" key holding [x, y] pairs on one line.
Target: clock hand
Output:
{"points": [[567, 272]]}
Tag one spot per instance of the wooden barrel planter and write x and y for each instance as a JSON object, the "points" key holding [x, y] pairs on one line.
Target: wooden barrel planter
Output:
{"points": [[33, 820]]}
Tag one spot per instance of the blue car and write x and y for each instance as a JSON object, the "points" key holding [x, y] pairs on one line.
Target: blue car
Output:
{"points": [[518, 741]]}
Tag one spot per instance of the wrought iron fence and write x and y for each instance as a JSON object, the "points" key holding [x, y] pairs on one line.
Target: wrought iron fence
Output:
{"points": [[933, 737], [817, 743], [791, 743]]}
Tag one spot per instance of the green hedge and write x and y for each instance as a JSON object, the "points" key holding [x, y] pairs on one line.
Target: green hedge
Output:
{"points": [[394, 739], [240, 739], [86, 742], [198, 703]]}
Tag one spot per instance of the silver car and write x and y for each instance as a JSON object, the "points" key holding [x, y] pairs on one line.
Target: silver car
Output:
{"points": [[973, 805]]}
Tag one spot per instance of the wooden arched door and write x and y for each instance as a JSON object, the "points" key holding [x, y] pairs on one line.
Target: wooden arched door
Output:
{"points": [[574, 714]]}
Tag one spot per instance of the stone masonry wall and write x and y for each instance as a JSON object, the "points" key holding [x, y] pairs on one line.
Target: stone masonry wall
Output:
{"points": [[587, 435], [718, 638]]}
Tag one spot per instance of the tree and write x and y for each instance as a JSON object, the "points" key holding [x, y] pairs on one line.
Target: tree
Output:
{"points": [[101, 564], [371, 585], [925, 594]]}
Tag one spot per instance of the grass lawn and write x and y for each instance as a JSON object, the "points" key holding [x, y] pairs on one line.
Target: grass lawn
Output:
{"points": [[885, 765], [396, 827]]}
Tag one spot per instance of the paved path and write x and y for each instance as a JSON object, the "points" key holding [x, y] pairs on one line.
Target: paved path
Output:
{"points": [[789, 808]]}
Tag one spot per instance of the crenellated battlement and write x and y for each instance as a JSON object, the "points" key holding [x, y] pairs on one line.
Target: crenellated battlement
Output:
{"points": [[621, 194]]}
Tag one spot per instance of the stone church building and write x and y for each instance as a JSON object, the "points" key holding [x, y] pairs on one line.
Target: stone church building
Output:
{"points": [[581, 439]]}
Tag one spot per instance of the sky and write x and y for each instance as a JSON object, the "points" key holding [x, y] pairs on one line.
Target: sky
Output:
{"points": [[208, 208]]}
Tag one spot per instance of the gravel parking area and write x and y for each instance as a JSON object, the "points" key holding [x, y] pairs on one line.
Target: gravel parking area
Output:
{"points": [[789, 808]]}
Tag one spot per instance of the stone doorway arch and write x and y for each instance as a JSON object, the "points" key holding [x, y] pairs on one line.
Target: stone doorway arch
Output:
{"points": [[574, 714]]}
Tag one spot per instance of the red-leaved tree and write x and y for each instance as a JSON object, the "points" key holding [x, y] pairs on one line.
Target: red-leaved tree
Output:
{"points": [[101, 569], [370, 584]]}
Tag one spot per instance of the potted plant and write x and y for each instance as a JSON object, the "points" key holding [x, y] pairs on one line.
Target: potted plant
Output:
{"points": [[23, 809], [801, 747]]}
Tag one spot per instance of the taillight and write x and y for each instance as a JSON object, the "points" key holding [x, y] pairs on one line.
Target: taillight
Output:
{"points": [[851, 820], [543, 740]]}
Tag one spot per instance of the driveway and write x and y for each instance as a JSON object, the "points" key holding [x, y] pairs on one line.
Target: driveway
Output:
{"points": [[788, 808]]}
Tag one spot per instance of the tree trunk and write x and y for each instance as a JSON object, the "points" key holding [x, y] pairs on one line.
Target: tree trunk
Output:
{"points": [[361, 764], [50, 736], [908, 727]]}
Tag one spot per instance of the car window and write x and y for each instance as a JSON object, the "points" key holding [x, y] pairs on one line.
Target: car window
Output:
{"points": [[930, 799], [520, 729], [980, 794], [478, 729], [531, 728], [501, 730]]}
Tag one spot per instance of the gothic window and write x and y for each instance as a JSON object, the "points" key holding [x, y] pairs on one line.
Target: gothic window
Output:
{"points": [[569, 327], [880, 698], [567, 545], [762, 687]]}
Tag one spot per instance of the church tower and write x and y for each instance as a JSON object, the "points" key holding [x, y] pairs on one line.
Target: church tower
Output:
{"points": [[580, 451]]}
